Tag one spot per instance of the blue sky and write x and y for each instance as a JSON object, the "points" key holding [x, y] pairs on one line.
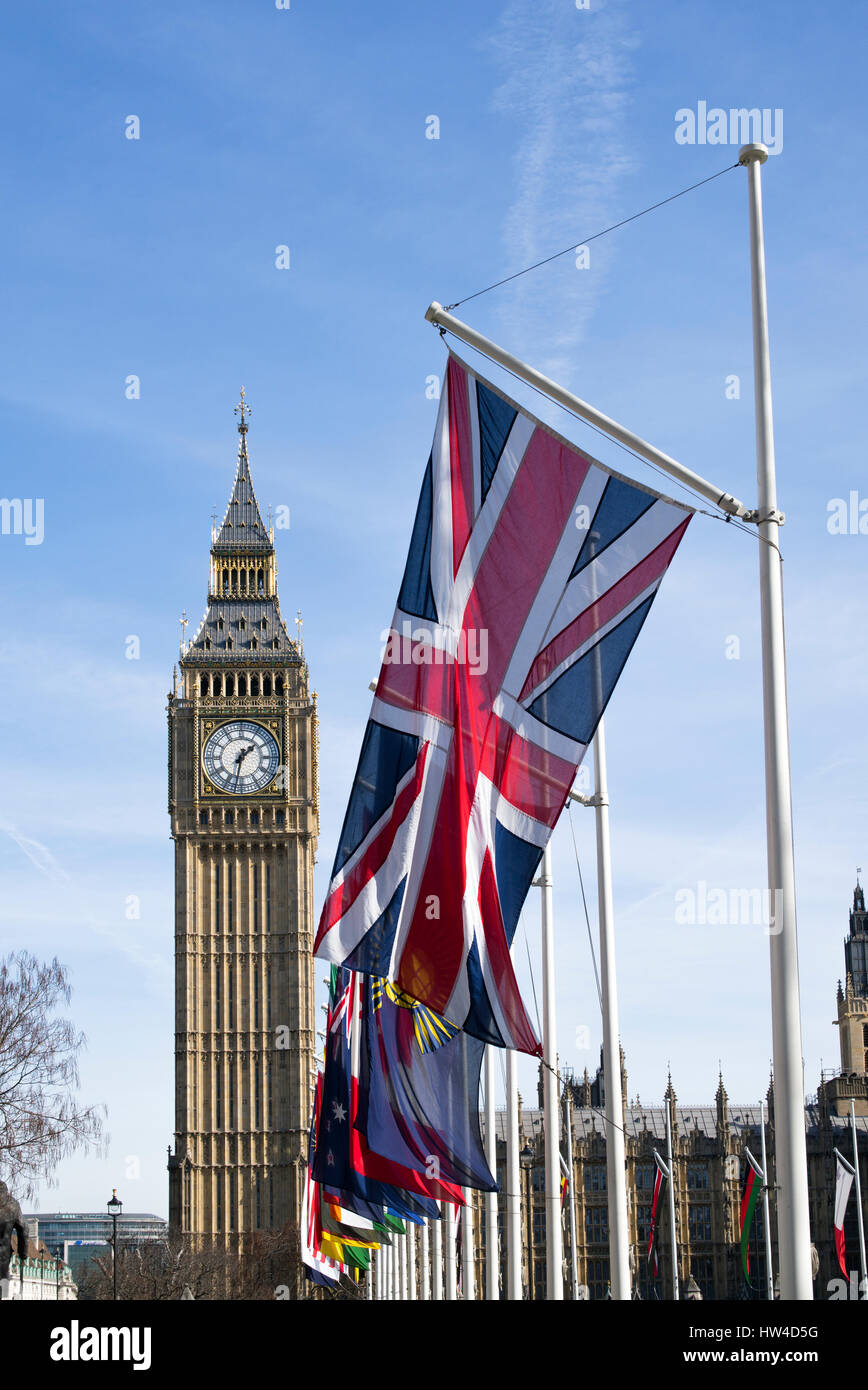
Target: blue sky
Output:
{"points": [[155, 257]]}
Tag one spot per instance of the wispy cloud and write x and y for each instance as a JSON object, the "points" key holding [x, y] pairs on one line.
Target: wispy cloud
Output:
{"points": [[39, 854], [567, 78]]}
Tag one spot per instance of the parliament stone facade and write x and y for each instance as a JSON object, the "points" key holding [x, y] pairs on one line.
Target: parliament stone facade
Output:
{"points": [[709, 1142]]}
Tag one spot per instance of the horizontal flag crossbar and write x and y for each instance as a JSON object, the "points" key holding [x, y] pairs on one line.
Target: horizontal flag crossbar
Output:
{"points": [[436, 314], [757, 1167], [661, 1164], [848, 1166]]}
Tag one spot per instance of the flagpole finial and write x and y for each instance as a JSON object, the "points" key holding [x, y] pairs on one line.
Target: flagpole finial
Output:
{"points": [[751, 154]]}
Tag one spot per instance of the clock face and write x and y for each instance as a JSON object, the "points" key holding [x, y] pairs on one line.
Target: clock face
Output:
{"points": [[241, 757]]}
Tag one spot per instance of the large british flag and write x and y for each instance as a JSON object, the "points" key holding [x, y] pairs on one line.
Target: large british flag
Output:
{"points": [[531, 569]]}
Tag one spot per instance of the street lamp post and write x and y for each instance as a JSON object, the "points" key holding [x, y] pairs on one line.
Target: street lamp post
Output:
{"points": [[115, 1207]]}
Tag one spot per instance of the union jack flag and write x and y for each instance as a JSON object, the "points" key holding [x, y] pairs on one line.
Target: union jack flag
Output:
{"points": [[531, 570]]}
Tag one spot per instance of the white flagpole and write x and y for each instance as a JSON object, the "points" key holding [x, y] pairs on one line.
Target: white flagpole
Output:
{"points": [[468, 1267], [513, 1193], [437, 1242], [492, 1253], [404, 1271], [572, 1197], [425, 1259], [671, 1178], [770, 1277], [791, 1162], [858, 1193], [411, 1260], [449, 1237], [794, 1236], [616, 1170], [551, 1110]]}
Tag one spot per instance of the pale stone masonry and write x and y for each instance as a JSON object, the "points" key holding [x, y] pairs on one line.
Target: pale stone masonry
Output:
{"points": [[709, 1142]]}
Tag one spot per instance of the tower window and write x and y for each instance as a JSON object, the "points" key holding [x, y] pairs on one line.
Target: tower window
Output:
{"points": [[230, 683], [278, 685], [229, 644], [253, 642], [254, 819], [217, 902], [268, 897], [219, 624], [230, 895], [266, 685], [242, 685], [264, 624], [254, 685], [203, 817], [241, 623], [226, 581], [228, 817], [260, 582], [203, 685], [279, 818]]}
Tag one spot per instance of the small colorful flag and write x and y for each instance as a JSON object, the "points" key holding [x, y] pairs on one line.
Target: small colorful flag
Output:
{"points": [[752, 1189], [655, 1211], [843, 1184]]}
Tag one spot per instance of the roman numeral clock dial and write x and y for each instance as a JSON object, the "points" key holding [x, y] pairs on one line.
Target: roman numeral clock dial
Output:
{"points": [[241, 757]]}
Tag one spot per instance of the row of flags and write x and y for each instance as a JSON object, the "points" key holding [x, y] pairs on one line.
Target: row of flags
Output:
{"points": [[531, 570], [395, 1130]]}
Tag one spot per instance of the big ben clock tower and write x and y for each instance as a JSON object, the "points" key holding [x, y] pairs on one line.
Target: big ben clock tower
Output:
{"points": [[243, 805]]}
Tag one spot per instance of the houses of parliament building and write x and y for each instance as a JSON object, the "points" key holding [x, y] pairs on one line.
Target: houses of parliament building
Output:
{"points": [[709, 1143]]}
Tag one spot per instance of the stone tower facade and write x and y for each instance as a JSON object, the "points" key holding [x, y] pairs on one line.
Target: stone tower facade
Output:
{"points": [[852, 1020], [244, 819]]}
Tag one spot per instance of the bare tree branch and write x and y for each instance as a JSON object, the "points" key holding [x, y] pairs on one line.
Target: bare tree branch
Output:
{"points": [[40, 1119]]}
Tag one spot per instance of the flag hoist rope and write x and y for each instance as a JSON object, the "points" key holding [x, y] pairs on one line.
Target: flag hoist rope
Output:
{"points": [[792, 1176]]}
